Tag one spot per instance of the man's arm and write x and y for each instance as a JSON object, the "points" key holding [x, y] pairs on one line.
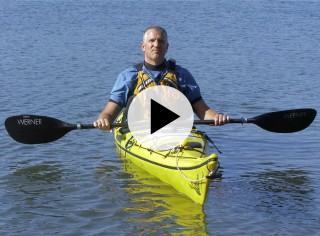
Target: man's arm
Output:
{"points": [[204, 112], [107, 116]]}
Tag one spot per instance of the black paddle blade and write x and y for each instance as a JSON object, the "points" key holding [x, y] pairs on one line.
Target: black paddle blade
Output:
{"points": [[32, 129], [287, 121]]}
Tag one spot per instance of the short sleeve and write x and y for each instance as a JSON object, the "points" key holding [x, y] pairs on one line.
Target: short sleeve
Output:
{"points": [[188, 85], [124, 86]]}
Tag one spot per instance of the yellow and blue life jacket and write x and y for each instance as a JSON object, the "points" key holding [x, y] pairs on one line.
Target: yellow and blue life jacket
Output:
{"points": [[168, 79]]}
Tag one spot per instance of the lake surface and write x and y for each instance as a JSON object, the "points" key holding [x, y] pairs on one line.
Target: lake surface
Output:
{"points": [[61, 58]]}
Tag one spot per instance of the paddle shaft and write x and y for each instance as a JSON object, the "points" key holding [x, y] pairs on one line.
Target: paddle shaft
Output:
{"points": [[196, 122], [212, 122]]}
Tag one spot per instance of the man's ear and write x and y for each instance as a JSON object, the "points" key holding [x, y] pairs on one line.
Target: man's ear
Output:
{"points": [[142, 46]]}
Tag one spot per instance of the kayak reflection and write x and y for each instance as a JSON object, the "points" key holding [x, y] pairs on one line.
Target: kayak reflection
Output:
{"points": [[159, 206]]}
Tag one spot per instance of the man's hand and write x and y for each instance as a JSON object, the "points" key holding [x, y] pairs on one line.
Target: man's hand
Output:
{"points": [[102, 124], [221, 119]]}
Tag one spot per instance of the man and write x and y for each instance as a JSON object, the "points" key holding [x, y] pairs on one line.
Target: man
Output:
{"points": [[154, 71]]}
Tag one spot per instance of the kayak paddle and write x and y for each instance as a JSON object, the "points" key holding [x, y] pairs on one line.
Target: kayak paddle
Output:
{"points": [[34, 129], [287, 121]]}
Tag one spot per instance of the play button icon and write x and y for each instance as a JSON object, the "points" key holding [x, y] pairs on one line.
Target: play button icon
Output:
{"points": [[160, 118]]}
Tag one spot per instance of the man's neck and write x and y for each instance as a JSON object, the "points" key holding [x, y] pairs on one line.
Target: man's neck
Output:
{"points": [[155, 67]]}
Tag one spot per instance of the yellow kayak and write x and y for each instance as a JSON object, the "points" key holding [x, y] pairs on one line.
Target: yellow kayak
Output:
{"points": [[187, 167]]}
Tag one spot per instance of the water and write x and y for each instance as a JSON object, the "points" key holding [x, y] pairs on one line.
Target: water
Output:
{"points": [[61, 58]]}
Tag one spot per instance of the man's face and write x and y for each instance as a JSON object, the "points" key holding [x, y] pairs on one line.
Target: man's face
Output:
{"points": [[155, 47]]}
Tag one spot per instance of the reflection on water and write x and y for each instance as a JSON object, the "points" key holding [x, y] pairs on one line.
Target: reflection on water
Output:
{"points": [[157, 206], [288, 190], [36, 179], [30, 194], [48, 172], [110, 178]]}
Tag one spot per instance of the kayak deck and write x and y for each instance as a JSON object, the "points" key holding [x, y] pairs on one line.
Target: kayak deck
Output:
{"points": [[187, 167]]}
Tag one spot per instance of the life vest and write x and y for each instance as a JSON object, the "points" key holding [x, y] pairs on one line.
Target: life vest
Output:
{"points": [[168, 79]]}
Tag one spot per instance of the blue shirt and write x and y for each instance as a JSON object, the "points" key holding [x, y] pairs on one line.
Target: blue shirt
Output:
{"points": [[127, 80]]}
